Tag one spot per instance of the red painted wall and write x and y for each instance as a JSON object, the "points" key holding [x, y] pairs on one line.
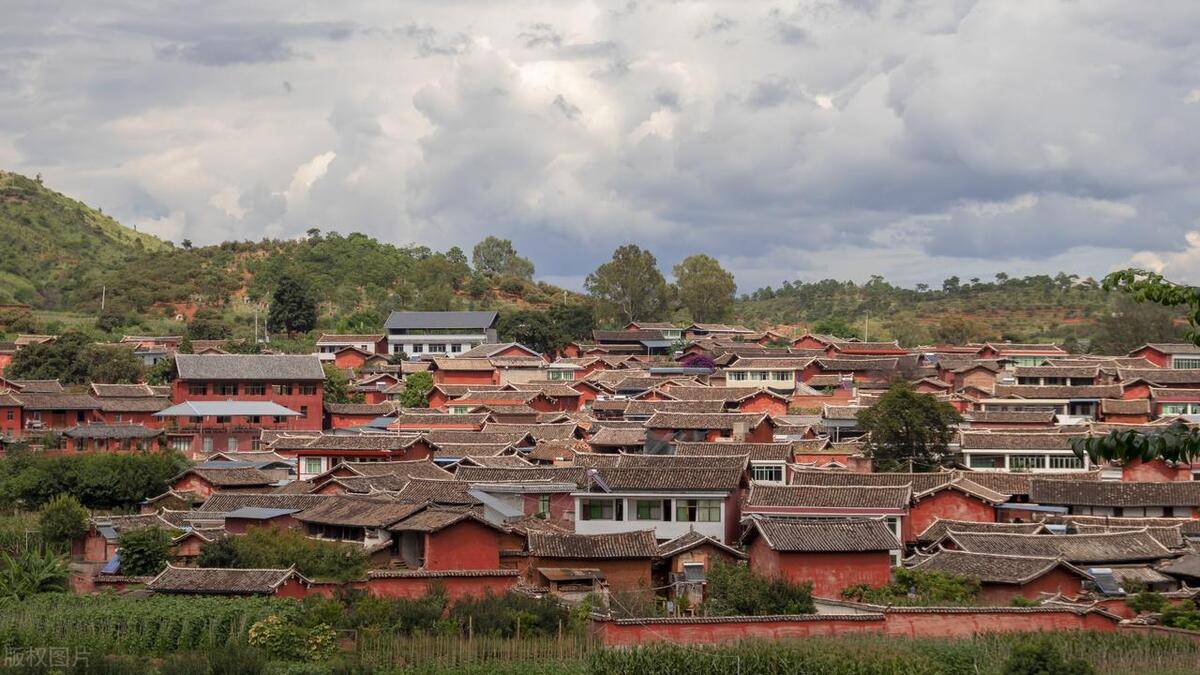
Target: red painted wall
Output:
{"points": [[1156, 471], [1056, 581], [294, 401], [11, 427], [947, 505], [621, 574], [829, 572], [1153, 356], [456, 587], [465, 545], [466, 377], [764, 403]]}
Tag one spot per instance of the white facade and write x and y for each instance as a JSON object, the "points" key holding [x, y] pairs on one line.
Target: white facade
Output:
{"points": [[674, 515], [1032, 461], [439, 345]]}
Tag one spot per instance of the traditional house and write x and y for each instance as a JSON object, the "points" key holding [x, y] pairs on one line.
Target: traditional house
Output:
{"points": [[1005, 577], [780, 374], [316, 456], [351, 415], [448, 538], [329, 344], [1084, 550], [202, 427], [131, 403], [207, 480], [123, 437], [683, 563], [1180, 499], [1169, 355], [958, 499], [737, 427], [448, 370], [888, 503], [1021, 451], [623, 560], [287, 583], [832, 554]]}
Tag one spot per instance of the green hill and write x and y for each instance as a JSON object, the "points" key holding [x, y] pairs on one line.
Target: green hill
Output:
{"points": [[52, 243]]}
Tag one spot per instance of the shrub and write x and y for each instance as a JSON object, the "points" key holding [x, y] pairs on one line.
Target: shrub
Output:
{"points": [[292, 642], [506, 615], [97, 480], [144, 552], [1146, 601], [273, 548], [1042, 657], [734, 590], [1184, 615], [63, 519], [30, 572], [1021, 601], [918, 588]]}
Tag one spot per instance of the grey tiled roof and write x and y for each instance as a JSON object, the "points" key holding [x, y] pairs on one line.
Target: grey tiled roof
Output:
{"points": [[825, 535], [267, 367], [478, 321]]}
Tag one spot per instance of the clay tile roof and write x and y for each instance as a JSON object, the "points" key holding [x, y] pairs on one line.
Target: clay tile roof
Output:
{"points": [[432, 419], [374, 409], [621, 478], [1012, 417], [678, 462], [381, 442], [554, 474], [992, 568], [1017, 440], [459, 450], [499, 461], [638, 544], [436, 518], [226, 502], [857, 365], [1116, 406], [149, 404], [967, 487], [112, 431], [611, 436], [757, 452], [440, 436], [825, 535], [1018, 483], [1082, 370], [729, 394], [357, 511], [366, 485], [550, 389], [222, 477], [214, 581], [1174, 347], [463, 364], [1111, 547], [1114, 493], [892, 498], [122, 390], [493, 397], [39, 386], [721, 421], [1159, 375], [412, 468], [921, 482], [841, 412], [539, 432], [766, 363], [1190, 527], [1033, 391], [639, 408], [248, 367], [437, 491], [939, 527], [690, 540], [1170, 536], [35, 401]]}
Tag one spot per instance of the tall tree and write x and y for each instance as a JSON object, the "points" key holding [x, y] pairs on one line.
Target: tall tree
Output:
{"points": [[908, 429], [337, 386], [498, 256], [532, 328], [574, 320], [705, 288], [416, 390], [630, 286], [1130, 324], [293, 307], [1146, 286]]}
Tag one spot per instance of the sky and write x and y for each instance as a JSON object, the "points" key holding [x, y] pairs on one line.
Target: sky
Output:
{"points": [[914, 139]]}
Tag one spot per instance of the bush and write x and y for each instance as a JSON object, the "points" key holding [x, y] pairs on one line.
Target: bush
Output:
{"points": [[918, 588], [284, 640], [273, 548], [144, 552], [416, 390], [1146, 601], [1042, 657], [509, 614], [63, 519], [1184, 615], [97, 480], [357, 609], [734, 590], [30, 572]]}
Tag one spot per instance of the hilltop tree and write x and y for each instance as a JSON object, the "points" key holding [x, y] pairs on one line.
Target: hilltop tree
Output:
{"points": [[630, 286], [956, 330], [498, 257], [908, 429], [207, 324], [532, 328], [293, 308], [834, 325], [1130, 324], [705, 288]]}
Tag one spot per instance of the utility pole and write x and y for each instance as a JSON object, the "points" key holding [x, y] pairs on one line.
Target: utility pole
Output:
{"points": [[867, 328], [103, 296]]}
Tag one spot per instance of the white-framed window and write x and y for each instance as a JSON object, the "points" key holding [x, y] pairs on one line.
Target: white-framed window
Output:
{"points": [[455, 348], [181, 443], [1181, 408], [1018, 462], [416, 349], [312, 465], [1185, 362], [893, 523], [208, 444], [231, 444], [558, 375], [766, 473], [698, 510], [1065, 462], [601, 509], [693, 572], [437, 347], [652, 509]]}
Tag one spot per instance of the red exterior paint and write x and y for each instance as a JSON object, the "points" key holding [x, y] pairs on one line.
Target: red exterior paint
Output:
{"points": [[465, 545], [562, 506], [345, 421], [809, 342], [949, 504], [1160, 359], [12, 422], [828, 572], [622, 574], [112, 445], [764, 402], [456, 587], [490, 376], [1156, 471], [1057, 580], [1135, 390], [350, 358], [313, 403]]}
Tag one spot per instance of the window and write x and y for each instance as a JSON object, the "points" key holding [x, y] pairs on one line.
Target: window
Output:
{"points": [[601, 509], [698, 510], [561, 375], [255, 444], [543, 505], [223, 419], [10, 414], [767, 473], [197, 389], [781, 376], [693, 572], [282, 389], [308, 389], [253, 419], [456, 348], [256, 389], [653, 509], [312, 465], [417, 349], [1065, 462], [437, 347], [277, 419], [231, 445], [227, 389], [1185, 362], [197, 420], [304, 411], [1181, 408], [1019, 462], [985, 461], [736, 376], [208, 444]]}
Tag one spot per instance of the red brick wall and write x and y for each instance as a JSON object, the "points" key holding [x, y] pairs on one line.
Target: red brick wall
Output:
{"points": [[947, 505], [562, 506], [193, 483], [829, 572], [621, 574], [313, 420], [14, 426], [339, 421], [465, 545], [418, 587], [1153, 356], [764, 403], [349, 358]]}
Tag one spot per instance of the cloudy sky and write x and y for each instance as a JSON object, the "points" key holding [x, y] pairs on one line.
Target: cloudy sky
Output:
{"points": [[791, 140]]}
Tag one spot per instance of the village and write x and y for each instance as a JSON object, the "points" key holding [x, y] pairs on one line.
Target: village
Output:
{"points": [[622, 473]]}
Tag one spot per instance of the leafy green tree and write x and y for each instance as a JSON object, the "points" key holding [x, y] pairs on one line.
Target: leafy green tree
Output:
{"points": [[112, 318], [208, 324], [63, 519], [574, 320], [908, 429], [532, 328], [337, 386], [918, 588], [97, 480], [908, 332], [363, 321], [498, 257], [274, 548], [397, 358], [1040, 656], [1146, 601], [109, 364], [630, 286], [1130, 324], [1183, 615], [30, 571], [1146, 286], [957, 330], [834, 325], [161, 373], [705, 288], [735, 590], [416, 390], [144, 552], [1176, 443], [293, 307], [61, 359]]}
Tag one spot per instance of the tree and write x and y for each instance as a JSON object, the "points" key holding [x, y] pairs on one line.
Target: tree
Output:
{"points": [[337, 386], [574, 320], [705, 288], [1130, 324], [956, 330], [207, 324], [397, 358], [908, 430], [1040, 656], [271, 547], [144, 552], [75, 359], [63, 519], [112, 364], [1144, 286], [630, 286], [1177, 443], [498, 257], [30, 571], [360, 322], [735, 590], [834, 325], [532, 328], [416, 390], [293, 308], [907, 331], [951, 285]]}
